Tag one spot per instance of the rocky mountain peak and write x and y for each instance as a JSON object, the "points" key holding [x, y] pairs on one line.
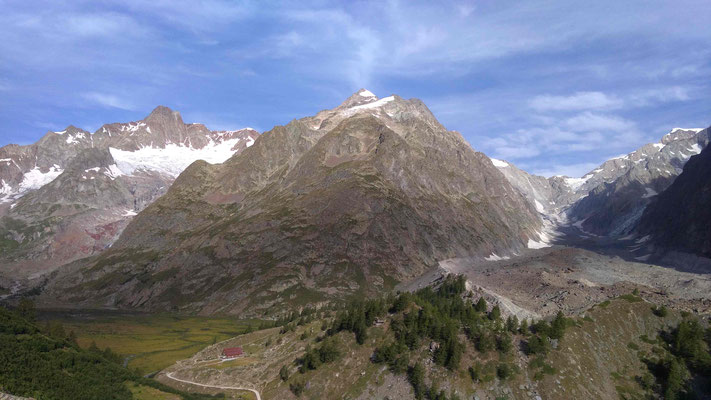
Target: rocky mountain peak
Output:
{"points": [[362, 96], [71, 130], [162, 114], [680, 134]]}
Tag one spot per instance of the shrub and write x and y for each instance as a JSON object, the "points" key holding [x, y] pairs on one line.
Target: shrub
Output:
{"points": [[504, 371], [537, 345], [297, 388], [660, 311]]}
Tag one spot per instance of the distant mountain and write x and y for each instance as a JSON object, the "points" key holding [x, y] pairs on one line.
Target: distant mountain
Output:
{"points": [[349, 201], [680, 217], [628, 183], [610, 199], [71, 194]]}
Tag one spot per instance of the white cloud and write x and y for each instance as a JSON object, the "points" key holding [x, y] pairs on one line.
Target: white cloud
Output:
{"points": [[108, 100], [589, 121], [576, 101], [593, 101]]}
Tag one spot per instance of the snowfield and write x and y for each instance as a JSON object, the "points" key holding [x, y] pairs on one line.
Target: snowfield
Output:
{"points": [[173, 159]]}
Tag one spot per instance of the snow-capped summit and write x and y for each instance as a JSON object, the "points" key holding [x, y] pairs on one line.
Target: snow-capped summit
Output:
{"points": [[91, 179], [366, 93], [361, 97]]}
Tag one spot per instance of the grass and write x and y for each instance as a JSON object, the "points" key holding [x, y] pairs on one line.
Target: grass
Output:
{"points": [[153, 342], [631, 298], [141, 392], [239, 362]]}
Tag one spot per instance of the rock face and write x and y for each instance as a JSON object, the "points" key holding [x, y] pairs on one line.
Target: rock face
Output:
{"points": [[71, 194], [610, 199], [629, 183], [547, 196], [346, 202], [680, 217]]}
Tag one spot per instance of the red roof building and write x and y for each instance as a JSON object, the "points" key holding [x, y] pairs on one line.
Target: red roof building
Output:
{"points": [[231, 352]]}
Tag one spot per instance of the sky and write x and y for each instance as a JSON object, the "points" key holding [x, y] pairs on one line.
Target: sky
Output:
{"points": [[555, 87]]}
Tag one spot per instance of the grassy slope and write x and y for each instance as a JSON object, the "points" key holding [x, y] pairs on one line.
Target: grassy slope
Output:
{"points": [[594, 360], [154, 342], [50, 365]]}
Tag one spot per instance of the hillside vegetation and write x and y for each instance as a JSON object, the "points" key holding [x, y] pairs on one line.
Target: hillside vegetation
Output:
{"points": [[443, 343], [48, 364]]}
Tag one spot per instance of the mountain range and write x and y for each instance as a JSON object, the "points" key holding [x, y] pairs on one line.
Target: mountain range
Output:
{"points": [[349, 201], [71, 194], [162, 215]]}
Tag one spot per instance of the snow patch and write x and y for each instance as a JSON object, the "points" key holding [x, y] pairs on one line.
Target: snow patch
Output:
{"points": [[375, 104], [494, 257], [539, 206], [113, 172], [32, 180], [131, 127], [129, 213], [576, 183], [649, 193], [643, 239], [499, 163], [366, 93], [543, 242], [172, 159], [696, 130], [695, 148], [659, 146], [35, 179]]}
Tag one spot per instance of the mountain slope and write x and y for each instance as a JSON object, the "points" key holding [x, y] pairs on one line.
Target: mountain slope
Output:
{"points": [[614, 206], [349, 201], [71, 194], [610, 199], [680, 217]]}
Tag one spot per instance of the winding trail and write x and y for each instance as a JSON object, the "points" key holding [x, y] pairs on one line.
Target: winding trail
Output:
{"points": [[256, 393]]}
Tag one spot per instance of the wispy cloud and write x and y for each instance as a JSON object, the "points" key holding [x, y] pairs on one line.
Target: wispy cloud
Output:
{"points": [[544, 84], [108, 100], [576, 101]]}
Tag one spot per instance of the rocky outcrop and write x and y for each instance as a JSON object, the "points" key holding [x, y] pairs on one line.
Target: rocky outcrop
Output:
{"points": [[679, 218]]}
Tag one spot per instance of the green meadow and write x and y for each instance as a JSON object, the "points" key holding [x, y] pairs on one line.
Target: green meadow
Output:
{"points": [[150, 342]]}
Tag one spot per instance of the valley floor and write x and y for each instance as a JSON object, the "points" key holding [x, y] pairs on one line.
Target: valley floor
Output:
{"points": [[579, 270]]}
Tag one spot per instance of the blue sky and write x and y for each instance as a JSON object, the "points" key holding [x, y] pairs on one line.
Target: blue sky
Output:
{"points": [[555, 87]]}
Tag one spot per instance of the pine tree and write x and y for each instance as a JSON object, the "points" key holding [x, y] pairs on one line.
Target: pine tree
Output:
{"points": [[495, 313], [675, 380], [485, 342], [417, 380], [558, 326], [284, 373], [512, 324], [523, 329], [504, 343], [481, 305]]}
